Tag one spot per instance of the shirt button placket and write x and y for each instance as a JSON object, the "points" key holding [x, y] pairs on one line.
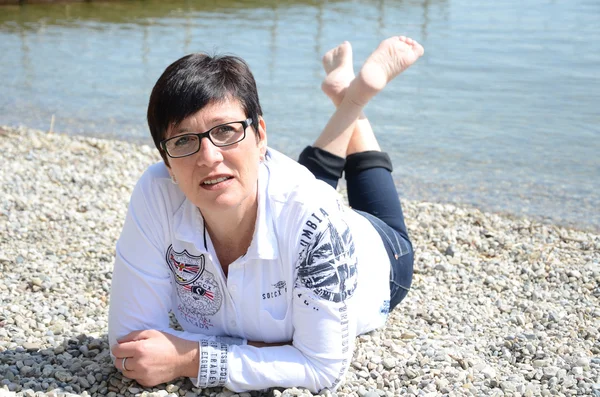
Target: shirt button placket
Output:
{"points": [[234, 291]]}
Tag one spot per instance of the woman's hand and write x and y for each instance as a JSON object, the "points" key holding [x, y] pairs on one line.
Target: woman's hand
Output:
{"points": [[154, 357]]}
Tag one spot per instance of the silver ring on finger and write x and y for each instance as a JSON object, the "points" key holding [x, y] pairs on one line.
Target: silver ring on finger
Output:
{"points": [[123, 364]]}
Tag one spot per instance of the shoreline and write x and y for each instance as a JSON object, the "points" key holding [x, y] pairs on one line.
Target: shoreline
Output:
{"points": [[412, 191], [500, 305]]}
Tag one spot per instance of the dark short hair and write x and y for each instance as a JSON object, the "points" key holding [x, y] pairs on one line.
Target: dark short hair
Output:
{"points": [[194, 81]]}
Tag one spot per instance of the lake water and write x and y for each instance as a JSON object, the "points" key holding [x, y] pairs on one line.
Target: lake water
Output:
{"points": [[502, 112]]}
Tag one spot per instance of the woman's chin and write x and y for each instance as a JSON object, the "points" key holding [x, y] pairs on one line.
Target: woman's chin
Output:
{"points": [[221, 202]]}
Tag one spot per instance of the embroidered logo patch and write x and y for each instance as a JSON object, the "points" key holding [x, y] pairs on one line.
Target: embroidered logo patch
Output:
{"points": [[197, 288], [186, 268]]}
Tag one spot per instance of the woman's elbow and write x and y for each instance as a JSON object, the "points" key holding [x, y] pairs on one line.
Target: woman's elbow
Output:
{"points": [[329, 376]]}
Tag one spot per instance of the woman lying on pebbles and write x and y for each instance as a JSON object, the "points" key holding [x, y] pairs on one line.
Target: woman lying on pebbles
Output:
{"points": [[268, 273]]}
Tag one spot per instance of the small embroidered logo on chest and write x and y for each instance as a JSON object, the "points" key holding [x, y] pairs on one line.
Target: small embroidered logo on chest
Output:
{"points": [[279, 288]]}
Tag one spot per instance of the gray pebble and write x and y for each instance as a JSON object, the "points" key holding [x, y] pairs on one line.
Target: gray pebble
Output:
{"points": [[32, 347], [550, 372], [389, 363], [371, 393], [363, 374], [582, 362]]}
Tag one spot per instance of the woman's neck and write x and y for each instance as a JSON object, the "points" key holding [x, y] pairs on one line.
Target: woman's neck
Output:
{"points": [[231, 231]]}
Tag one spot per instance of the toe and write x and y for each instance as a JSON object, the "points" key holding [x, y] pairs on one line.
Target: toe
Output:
{"points": [[419, 48]]}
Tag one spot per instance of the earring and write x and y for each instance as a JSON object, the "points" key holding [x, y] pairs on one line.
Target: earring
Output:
{"points": [[173, 180]]}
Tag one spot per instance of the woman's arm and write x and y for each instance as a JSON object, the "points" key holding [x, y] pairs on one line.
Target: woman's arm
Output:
{"points": [[141, 294], [154, 357], [323, 314]]}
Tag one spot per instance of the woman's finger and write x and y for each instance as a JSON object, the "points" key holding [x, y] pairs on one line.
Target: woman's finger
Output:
{"points": [[125, 349], [124, 364], [136, 335]]}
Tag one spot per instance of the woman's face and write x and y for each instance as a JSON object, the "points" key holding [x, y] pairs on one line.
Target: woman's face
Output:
{"points": [[219, 178]]}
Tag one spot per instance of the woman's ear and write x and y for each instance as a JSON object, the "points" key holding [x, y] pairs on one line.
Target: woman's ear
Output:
{"points": [[262, 136]]}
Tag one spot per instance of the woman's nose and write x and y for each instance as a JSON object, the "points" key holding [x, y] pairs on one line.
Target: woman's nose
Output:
{"points": [[208, 154]]}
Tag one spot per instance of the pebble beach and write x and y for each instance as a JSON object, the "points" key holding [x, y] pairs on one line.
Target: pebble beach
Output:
{"points": [[500, 306]]}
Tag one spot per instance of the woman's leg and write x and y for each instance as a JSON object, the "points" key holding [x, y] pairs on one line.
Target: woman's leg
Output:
{"points": [[392, 57], [375, 191], [372, 192], [371, 189], [324, 164], [340, 73], [327, 163]]}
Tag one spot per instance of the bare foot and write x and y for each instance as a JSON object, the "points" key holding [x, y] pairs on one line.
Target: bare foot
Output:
{"points": [[392, 57], [338, 66]]}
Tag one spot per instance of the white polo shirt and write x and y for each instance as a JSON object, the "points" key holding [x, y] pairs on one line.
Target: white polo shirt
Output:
{"points": [[316, 273]]}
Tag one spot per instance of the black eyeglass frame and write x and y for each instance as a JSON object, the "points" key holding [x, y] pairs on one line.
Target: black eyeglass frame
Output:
{"points": [[245, 123]]}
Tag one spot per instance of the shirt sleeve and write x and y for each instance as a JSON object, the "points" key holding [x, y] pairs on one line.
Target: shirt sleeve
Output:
{"points": [[324, 323], [141, 289]]}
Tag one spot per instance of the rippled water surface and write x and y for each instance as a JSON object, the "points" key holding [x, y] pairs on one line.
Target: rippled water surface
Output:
{"points": [[502, 111]]}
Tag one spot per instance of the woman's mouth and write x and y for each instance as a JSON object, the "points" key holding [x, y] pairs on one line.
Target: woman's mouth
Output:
{"points": [[215, 181]]}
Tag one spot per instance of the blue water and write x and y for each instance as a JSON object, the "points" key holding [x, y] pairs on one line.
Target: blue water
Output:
{"points": [[502, 112]]}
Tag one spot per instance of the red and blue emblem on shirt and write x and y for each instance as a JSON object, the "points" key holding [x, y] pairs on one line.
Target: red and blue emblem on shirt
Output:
{"points": [[186, 267], [198, 291]]}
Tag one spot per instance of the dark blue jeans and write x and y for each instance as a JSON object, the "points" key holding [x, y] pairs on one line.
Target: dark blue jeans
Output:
{"points": [[371, 193]]}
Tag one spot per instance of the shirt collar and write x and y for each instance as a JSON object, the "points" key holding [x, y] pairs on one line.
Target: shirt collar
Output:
{"points": [[189, 224]]}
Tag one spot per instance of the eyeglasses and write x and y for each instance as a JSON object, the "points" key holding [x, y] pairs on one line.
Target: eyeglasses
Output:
{"points": [[221, 135]]}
